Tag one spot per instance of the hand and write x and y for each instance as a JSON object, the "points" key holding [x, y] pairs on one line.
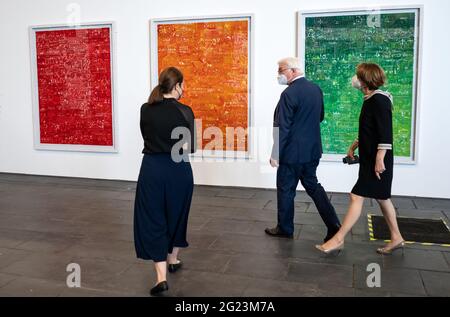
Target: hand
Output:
{"points": [[351, 153], [352, 149], [379, 168], [274, 163]]}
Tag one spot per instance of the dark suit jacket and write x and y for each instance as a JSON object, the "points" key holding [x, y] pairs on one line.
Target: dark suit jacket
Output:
{"points": [[298, 116]]}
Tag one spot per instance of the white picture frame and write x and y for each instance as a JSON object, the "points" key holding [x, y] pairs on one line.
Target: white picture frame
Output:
{"points": [[154, 22], [35, 91], [419, 16]]}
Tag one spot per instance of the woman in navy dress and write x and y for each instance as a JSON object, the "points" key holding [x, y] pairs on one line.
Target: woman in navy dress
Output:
{"points": [[375, 143], [165, 185]]}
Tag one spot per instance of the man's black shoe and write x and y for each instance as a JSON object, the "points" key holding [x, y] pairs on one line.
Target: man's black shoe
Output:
{"points": [[276, 232]]}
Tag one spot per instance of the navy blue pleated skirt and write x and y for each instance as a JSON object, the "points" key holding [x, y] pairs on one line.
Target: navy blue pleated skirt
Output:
{"points": [[161, 210]]}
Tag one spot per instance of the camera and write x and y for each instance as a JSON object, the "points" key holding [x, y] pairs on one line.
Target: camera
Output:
{"points": [[348, 160]]}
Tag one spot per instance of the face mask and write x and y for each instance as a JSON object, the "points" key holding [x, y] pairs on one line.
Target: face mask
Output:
{"points": [[282, 80], [356, 83]]}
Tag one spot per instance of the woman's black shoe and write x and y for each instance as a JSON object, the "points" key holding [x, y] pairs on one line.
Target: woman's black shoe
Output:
{"points": [[175, 267], [160, 288]]}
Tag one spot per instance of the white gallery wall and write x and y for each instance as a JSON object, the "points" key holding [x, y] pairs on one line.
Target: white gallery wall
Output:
{"points": [[275, 37]]}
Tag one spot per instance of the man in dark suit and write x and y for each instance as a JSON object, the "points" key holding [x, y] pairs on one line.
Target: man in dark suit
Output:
{"points": [[298, 148]]}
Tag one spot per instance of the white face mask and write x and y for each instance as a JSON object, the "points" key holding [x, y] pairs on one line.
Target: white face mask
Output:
{"points": [[180, 95], [282, 80], [356, 83]]}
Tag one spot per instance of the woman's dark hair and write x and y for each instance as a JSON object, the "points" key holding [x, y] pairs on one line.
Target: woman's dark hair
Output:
{"points": [[168, 79]]}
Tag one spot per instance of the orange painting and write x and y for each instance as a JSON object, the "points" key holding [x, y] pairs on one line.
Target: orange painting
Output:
{"points": [[214, 58]]}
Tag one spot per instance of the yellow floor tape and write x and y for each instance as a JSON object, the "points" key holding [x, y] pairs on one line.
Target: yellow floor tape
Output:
{"points": [[372, 236]]}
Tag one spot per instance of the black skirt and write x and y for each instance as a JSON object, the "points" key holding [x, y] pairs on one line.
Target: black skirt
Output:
{"points": [[163, 200], [368, 185]]}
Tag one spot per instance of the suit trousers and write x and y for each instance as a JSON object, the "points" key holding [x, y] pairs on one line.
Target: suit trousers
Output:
{"points": [[288, 176]]}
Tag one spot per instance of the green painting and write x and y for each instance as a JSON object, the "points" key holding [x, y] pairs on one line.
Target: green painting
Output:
{"points": [[335, 45]]}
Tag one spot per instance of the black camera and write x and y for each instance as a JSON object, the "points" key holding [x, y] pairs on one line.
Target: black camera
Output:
{"points": [[348, 160]]}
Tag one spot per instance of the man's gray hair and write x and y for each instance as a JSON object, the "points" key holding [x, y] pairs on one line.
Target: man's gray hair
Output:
{"points": [[291, 62]]}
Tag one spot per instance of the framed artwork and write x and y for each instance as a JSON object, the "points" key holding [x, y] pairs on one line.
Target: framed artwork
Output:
{"points": [[331, 45], [73, 87], [215, 56]]}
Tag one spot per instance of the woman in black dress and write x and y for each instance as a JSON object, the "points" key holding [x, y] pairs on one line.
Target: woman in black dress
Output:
{"points": [[376, 158], [165, 185]]}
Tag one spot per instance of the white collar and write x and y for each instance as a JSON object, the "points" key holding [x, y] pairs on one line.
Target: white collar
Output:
{"points": [[298, 77], [380, 92]]}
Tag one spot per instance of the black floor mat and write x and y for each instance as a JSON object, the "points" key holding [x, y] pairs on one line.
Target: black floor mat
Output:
{"points": [[428, 231]]}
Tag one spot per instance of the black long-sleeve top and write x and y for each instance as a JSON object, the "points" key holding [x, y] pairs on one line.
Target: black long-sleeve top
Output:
{"points": [[158, 121]]}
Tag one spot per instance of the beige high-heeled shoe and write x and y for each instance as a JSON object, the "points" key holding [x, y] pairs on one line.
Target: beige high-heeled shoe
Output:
{"points": [[389, 251], [336, 249]]}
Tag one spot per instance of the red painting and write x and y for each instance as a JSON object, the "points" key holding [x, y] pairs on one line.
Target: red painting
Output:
{"points": [[214, 58], [74, 86]]}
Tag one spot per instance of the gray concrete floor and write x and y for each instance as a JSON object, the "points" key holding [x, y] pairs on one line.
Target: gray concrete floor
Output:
{"points": [[48, 222]]}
